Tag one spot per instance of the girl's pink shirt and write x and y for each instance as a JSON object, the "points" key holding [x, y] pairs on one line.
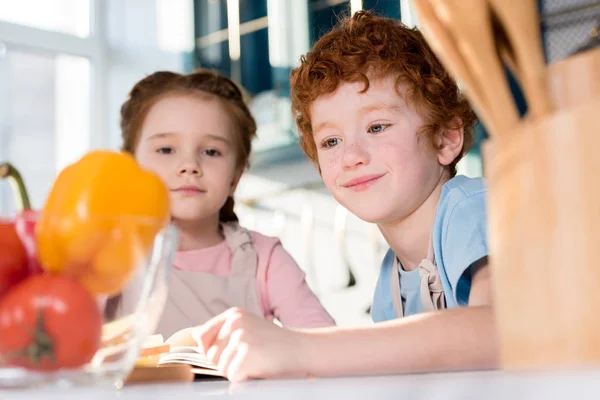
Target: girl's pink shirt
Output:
{"points": [[281, 285]]}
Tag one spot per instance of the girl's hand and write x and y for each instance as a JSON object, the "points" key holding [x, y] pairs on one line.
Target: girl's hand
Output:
{"points": [[244, 346]]}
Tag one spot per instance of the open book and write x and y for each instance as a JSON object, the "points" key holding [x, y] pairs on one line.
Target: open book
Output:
{"points": [[156, 353], [191, 356], [173, 360]]}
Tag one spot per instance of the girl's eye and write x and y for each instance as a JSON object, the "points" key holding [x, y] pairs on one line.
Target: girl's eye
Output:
{"points": [[330, 142], [165, 150], [377, 128], [212, 152]]}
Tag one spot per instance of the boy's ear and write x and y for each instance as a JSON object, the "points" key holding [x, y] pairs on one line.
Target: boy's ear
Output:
{"points": [[449, 142]]}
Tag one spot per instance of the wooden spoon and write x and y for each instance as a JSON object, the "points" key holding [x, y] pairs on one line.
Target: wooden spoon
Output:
{"points": [[504, 48], [443, 45], [469, 21], [520, 21]]}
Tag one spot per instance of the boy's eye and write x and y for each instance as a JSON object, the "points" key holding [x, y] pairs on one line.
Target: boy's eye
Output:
{"points": [[164, 150], [377, 128], [330, 142], [212, 152]]}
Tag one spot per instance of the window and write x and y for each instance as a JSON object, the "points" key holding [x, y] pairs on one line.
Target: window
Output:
{"points": [[66, 67], [44, 122], [66, 16], [175, 25], [44, 117]]}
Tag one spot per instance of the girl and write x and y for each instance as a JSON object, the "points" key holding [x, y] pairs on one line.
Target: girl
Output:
{"points": [[386, 125], [195, 132]]}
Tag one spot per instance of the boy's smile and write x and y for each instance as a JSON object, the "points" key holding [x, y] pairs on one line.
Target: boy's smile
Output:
{"points": [[362, 182]]}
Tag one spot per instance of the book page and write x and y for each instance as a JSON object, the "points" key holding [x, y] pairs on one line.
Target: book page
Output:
{"points": [[186, 355]]}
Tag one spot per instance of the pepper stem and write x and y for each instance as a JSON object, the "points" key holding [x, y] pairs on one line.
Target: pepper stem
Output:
{"points": [[8, 171]]}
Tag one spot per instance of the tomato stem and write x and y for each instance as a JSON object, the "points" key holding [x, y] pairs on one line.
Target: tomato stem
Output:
{"points": [[42, 345]]}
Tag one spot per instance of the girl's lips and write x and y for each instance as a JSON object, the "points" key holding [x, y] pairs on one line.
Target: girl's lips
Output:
{"points": [[188, 190]]}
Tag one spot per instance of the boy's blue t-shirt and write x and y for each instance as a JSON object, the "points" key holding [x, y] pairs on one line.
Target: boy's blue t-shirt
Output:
{"points": [[459, 240]]}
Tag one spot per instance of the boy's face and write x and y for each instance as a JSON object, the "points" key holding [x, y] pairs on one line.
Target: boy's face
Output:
{"points": [[371, 159], [187, 141]]}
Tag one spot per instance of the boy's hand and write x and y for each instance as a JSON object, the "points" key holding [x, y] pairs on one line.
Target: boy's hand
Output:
{"points": [[244, 346]]}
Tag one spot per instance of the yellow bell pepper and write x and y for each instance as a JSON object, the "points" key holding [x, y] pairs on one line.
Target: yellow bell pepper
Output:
{"points": [[100, 220]]}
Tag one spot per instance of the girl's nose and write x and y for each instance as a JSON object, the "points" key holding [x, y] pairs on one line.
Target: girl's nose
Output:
{"points": [[189, 168]]}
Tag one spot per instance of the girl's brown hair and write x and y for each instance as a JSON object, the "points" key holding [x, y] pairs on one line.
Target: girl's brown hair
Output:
{"points": [[367, 46], [203, 83]]}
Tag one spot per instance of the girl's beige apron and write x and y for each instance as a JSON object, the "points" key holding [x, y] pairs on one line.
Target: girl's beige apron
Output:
{"points": [[195, 297]]}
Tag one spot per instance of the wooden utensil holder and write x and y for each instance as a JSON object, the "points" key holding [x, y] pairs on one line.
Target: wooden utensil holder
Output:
{"points": [[576, 79], [544, 235]]}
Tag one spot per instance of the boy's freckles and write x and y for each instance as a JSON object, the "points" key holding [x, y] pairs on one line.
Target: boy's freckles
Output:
{"points": [[382, 148], [330, 162]]}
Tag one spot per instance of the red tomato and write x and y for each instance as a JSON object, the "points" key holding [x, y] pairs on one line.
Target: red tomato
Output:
{"points": [[49, 322]]}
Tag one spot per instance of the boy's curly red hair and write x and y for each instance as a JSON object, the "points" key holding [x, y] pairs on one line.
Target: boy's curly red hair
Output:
{"points": [[367, 46]]}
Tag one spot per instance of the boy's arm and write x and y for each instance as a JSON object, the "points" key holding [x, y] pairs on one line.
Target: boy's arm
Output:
{"points": [[457, 339], [462, 338]]}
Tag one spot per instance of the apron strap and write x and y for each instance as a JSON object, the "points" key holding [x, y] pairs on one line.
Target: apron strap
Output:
{"points": [[395, 290], [244, 263], [431, 289]]}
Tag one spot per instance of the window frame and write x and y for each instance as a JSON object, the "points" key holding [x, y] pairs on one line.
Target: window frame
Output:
{"points": [[93, 47]]}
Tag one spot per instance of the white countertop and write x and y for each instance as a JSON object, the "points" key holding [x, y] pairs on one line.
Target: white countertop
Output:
{"points": [[464, 386]]}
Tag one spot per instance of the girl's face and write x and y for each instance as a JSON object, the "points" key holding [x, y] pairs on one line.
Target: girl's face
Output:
{"points": [[187, 140]]}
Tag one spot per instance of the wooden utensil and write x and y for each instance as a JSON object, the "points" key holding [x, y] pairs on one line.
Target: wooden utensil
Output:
{"points": [[504, 47], [442, 43], [520, 21], [469, 22]]}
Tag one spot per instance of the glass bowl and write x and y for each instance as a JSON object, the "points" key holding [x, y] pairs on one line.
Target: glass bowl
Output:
{"points": [[129, 316]]}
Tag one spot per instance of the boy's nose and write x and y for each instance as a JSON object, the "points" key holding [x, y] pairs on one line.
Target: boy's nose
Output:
{"points": [[355, 155]]}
